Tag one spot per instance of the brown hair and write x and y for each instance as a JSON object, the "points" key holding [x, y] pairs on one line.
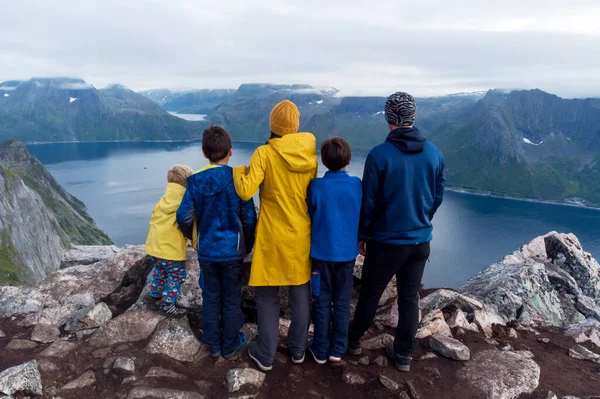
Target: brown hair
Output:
{"points": [[216, 143], [179, 174], [336, 153]]}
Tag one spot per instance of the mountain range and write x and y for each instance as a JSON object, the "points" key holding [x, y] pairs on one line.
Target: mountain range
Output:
{"points": [[523, 143], [39, 220], [66, 109]]}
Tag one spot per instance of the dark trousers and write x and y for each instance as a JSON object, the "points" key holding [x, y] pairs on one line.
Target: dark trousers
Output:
{"points": [[267, 307], [382, 262], [222, 316], [332, 293]]}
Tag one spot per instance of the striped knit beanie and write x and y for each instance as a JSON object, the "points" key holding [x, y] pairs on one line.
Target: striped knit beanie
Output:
{"points": [[401, 109]]}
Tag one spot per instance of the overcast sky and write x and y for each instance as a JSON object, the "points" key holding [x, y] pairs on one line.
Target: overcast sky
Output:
{"points": [[429, 48]]}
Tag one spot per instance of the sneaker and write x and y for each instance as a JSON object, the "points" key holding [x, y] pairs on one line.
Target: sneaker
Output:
{"points": [[298, 357], [335, 359], [252, 352], [215, 354], [317, 360], [172, 310], [354, 348], [237, 351], [155, 304], [402, 363]]}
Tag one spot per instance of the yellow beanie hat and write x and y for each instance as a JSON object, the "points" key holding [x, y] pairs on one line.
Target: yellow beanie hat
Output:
{"points": [[285, 118]]}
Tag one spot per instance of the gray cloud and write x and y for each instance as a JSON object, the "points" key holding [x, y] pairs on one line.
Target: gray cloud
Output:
{"points": [[429, 48]]}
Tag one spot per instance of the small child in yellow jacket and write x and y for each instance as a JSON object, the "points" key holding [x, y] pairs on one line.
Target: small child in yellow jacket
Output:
{"points": [[167, 245]]}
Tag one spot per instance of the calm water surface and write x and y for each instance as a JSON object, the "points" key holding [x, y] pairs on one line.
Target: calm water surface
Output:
{"points": [[121, 182]]}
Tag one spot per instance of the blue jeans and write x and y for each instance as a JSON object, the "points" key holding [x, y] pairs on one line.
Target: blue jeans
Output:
{"points": [[332, 293], [222, 316]]}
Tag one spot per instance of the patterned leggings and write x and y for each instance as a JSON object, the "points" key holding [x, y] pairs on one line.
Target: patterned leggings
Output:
{"points": [[167, 277]]}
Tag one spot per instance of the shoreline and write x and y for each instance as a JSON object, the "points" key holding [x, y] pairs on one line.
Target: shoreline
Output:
{"points": [[462, 190], [454, 189]]}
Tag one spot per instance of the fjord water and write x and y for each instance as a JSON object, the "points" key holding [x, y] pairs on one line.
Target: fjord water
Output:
{"points": [[121, 182]]}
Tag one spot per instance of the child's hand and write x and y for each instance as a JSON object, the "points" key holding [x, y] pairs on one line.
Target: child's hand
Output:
{"points": [[363, 248]]}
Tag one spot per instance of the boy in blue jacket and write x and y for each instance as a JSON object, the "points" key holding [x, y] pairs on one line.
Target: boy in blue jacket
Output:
{"points": [[334, 205], [225, 236]]}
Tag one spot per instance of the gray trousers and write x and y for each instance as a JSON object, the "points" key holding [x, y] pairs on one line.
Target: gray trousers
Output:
{"points": [[268, 306]]}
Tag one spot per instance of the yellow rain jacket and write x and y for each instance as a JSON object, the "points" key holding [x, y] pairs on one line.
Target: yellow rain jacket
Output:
{"points": [[165, 240], [282, 169]]}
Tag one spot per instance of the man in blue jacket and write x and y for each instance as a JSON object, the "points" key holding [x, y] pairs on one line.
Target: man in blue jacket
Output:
{"points": [[403, 186]]}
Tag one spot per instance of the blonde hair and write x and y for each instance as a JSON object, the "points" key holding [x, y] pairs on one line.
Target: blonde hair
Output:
{"points": [[179, 174]]}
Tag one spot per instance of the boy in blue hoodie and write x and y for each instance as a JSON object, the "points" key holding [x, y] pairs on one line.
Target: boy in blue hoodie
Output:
{"points": [[334, 205], [225, 226]]}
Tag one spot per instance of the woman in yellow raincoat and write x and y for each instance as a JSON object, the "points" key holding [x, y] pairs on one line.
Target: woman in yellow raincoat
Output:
{"points": [[282, 169]]}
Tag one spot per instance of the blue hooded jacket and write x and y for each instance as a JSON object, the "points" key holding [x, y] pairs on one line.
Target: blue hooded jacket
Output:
{"points": [[225, 223], [403, 186]]}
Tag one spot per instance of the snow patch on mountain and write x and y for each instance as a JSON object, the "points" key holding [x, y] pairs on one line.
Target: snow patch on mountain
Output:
{"points": [[71, 99]]}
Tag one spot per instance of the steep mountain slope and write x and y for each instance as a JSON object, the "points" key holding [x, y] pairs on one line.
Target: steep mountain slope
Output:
{"points": [[198, 102], [64, 109], [528, 144], [39, 220], [246, 114]]}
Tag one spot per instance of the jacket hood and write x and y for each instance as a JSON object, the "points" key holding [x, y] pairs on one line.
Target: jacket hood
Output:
{"points": [[298, 151], [407, 140], [172, 198], [214, 179]]}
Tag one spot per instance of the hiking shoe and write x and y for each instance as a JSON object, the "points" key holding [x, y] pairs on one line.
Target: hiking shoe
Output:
{"points": [[172, 310], [253, 353], [237, 351], [215, 354], [335, 359], [298, 357], [317, 360], [354, 348], [402, 363]]}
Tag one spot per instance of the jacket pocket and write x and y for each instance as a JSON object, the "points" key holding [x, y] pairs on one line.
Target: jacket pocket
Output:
{"points": [[316, 283]]}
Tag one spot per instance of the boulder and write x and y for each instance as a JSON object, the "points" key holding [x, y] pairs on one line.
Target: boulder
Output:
{"points": [[586, 330], [127, 327], [390, 292], [45, 333], [161, 393], [449, 347], [2, 334], [99, 281], [20, 344], [581, 353], [485, 320], [588, 307], [378, 342], [85, 380], [434, 324], [441, 299], [24, 379], [88, 318], [123, 365], [354, 378], [538, 287], [391, 319], [159, 372], [59, 349], [47, 366], [389, 382], [241, 377], [19, 301], [88, 254], [459, 319], [493, 374], [57, 316], [174, 338]]}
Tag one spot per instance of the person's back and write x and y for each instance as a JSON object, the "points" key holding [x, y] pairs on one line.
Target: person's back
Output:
{"points": [[282, 169], [403, 186], [410, 170], [334, 205], [225, 225]]}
